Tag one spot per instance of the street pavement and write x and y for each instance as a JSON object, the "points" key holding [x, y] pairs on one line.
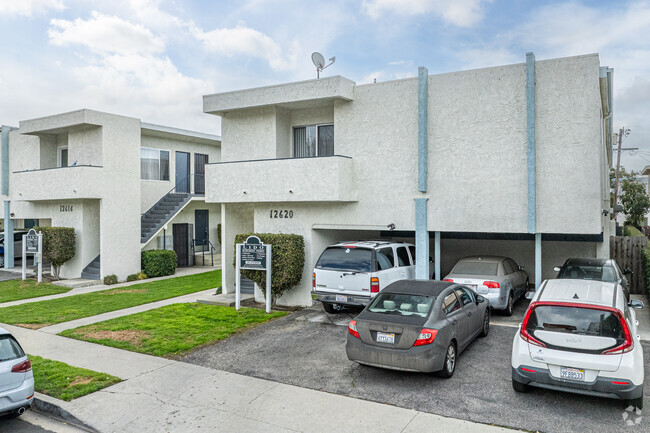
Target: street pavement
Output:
{"points": [[33, 422]]}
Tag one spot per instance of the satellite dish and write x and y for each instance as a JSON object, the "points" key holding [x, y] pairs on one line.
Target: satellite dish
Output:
{"points": [[319, 61]]}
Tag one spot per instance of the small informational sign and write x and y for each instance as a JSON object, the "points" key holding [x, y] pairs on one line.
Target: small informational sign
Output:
{"points": [[31, 242], [254, 255]]}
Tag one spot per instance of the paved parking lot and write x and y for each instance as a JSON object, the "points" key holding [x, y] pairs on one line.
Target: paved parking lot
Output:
{"points": [[307, 349]]}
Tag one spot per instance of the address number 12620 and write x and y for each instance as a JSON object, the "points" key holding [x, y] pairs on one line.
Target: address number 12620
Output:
{"points": [[280, 213]]}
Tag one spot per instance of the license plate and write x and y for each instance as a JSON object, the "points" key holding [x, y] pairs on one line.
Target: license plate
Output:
{"points": [[572, 373], [383, 337], [341, 298]]}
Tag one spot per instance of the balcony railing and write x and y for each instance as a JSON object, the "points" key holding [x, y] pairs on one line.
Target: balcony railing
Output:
{"points": [[73, 182]]}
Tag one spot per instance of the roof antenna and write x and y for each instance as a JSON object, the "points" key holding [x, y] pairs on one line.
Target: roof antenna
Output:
{"points": [[319, 61]]}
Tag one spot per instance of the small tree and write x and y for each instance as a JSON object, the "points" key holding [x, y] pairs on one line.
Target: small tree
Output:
{"points": [[59, 246], [634, 199], [288, 260]]}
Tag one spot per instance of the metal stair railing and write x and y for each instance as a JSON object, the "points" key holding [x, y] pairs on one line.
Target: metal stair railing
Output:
{"points": [[205, 243], [185, 186]]}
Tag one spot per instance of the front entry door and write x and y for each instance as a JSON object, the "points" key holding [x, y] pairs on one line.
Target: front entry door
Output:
{"points": [[181, 244], [200, 160], [201, 226], [183, 172]]}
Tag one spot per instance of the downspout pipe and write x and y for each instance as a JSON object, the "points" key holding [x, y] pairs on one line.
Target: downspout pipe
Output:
{"points": [[4, 190]]}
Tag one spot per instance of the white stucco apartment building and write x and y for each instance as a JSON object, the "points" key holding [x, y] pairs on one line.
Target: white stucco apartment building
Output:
{"points": [[510, 160], [123, 184]]}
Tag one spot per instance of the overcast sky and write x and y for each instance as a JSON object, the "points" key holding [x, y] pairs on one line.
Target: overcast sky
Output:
{"points": [[154, 59]]}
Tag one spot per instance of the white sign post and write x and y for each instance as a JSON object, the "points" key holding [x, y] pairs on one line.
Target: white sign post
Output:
{"points": [[254, 255], [33, 244]]}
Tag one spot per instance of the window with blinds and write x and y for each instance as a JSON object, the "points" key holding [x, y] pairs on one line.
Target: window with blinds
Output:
{"points": [[154, 164], [317, 140]]}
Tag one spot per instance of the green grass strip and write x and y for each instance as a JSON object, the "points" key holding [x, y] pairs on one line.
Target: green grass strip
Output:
{"points": [[14, 290], [62, 381], [173, 330], [43, 313]]}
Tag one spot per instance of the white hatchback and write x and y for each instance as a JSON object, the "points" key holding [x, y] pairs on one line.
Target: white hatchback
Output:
{"points": [[580, 336], [16, 377]]}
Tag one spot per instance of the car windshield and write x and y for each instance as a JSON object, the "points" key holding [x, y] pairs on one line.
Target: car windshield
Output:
{"points": [[9, 348], [476, 268], [589, 272], [345, 258], [402, 304], [572, 320]]}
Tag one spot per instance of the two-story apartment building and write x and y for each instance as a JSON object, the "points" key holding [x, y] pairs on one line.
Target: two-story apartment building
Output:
{"points": [[123, 184], [510, 160]]}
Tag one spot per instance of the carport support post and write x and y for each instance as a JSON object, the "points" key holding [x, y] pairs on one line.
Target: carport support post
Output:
{"points": [[9, 234], [421, 240], [269, 294], [436, 255], [538, 260], [237, 276]]}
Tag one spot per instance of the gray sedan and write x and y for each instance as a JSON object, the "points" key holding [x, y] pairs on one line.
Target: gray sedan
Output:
{"points": [[499, 279], [418, 325]]}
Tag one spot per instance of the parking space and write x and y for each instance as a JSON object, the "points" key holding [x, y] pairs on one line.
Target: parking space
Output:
{"points": [[307, 349]]}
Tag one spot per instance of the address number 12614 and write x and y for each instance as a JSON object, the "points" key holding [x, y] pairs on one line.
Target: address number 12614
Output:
{"points": [[280, 213]]}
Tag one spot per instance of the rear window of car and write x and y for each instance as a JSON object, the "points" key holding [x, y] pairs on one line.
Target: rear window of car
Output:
{"points": [[385, 258], [578, 321], [589, 272], [345, 259], [9, 348], [476, 268], [402, 304]]}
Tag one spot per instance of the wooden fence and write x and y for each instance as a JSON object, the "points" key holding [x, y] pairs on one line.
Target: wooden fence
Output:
{"points": [[627, 250]]}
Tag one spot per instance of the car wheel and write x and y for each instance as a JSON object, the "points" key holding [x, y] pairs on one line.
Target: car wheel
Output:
{"points": [[637, 402], [520, 387], [450, 361], [486, 324], [329, 308], [510, 306]]}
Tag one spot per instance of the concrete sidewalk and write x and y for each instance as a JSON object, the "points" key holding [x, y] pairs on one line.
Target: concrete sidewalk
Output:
{"points": [[161, 395]]}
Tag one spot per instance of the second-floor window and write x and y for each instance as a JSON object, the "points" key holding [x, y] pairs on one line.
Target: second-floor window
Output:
{"points": [[316, 140], [154, 164]]}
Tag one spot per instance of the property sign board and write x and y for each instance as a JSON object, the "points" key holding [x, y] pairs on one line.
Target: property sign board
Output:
{"points": [[253, 254], [31, 242]]}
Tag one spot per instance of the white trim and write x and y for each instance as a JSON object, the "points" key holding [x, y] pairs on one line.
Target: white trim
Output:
{"points": [[59, 149]]}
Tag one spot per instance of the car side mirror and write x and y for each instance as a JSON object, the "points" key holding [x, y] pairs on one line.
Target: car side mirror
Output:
{"points": [[529, 295], [479, 299], [627, 272], [557, 269], [635, 303]]}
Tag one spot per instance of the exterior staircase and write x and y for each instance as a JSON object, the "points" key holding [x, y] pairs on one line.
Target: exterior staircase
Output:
{"points": [[91, 272], [156, 217]]}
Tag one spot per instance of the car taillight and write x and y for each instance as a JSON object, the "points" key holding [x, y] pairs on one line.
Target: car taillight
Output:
{"points": [[426, 337], [491, 284], [524, 334], [352, 328], [313, 280], [449, 280], [627, 345], [23, 367], [374, 285]]}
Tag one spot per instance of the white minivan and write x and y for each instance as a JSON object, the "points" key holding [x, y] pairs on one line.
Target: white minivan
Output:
{"points": [[580, 336], [352, 273]]}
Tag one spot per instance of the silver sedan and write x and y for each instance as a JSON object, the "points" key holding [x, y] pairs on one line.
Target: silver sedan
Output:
{"points": [[418, 325], [499, 279], [16, 377]]}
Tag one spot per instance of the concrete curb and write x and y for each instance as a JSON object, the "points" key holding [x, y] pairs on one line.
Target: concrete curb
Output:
{"points": [[50, 406]]}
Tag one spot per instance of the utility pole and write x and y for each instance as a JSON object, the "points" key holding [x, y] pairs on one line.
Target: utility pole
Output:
{"points": [[621, 132]]}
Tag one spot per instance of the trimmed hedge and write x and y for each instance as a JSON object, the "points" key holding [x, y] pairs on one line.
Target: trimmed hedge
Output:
{"points": [[288, 256], [158, 263], [59, 246], [136, 277], [645, 264], [110, 279]]}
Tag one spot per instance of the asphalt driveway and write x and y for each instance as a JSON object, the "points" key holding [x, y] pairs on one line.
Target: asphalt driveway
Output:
{"points": [[299, 350]]}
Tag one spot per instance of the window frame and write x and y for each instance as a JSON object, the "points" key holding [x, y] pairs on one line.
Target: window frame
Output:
{"points": [[169, 164], [59, 158], [408, 257], [460, 306], [317, 126]]}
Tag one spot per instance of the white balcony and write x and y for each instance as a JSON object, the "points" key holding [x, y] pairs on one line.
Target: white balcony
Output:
{"points": [[63, 183], [319, 179]]}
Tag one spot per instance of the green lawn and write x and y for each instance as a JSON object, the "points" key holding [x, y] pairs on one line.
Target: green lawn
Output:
{"points": [[172, 330], [44, 313], [62, 381], [13, 290]]}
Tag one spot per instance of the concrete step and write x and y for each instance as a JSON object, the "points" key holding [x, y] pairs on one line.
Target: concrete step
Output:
{"points": [[226, 300], [90, 276], [77, 283]]}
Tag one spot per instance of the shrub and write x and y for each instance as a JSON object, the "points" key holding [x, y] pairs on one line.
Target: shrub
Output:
{"points": [[142, 276], [219, 233], [630, 230], [158, 263], [288, 255], [58, 246], [132, 277], [645, 265], [110, 279]]}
